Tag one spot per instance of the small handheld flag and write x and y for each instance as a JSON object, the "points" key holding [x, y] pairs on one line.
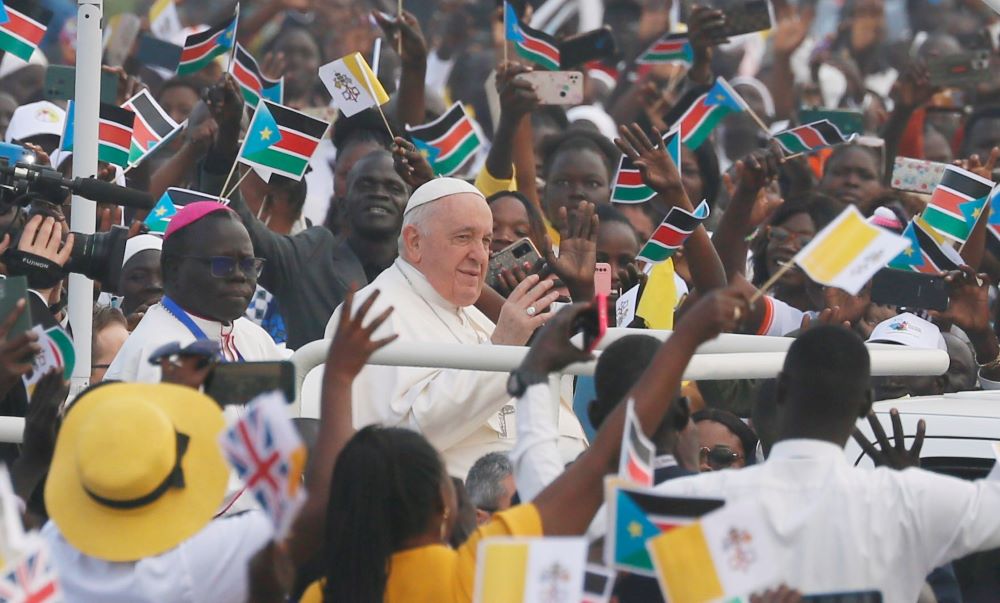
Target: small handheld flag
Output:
{"points": [[731, 551], [165, 21], [253, 83], [638, 514], [172, 201], [707, 110], [281, 140], [811, 137], [849, 251], [670, 48], [957, 203], [352, 84], [532, 44], [448, 141], [114, 134], [200, 49], [670, 235], [530, 570], [993, 225], [269, 456], [628, 184], [4, 17], [151, 127], [27, 21], [31, 578], [924, 254], [638, 452]]}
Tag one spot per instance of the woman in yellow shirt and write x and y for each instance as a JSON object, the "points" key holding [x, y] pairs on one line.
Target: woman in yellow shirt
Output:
{"points": [[391, 503]]}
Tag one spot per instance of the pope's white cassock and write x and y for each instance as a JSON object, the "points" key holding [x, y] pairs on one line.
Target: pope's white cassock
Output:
{"points": [[464, 414], [242, 340]]}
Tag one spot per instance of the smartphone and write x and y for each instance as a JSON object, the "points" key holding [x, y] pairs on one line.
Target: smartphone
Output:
{"points": [[154, 52], [60, 84], [582, 48], [916, 175], [122, 39], [517, 253], [237, 383], [556, 87], [960, 69], [12, 290], [14, 153], [602, 279], [593, 324], [912, 290]]}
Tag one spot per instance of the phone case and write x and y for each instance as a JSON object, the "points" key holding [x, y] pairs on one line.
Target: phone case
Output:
{"points": [[516, 254], [960, 69], [916, 175], [12, 290], [557, 87], [602, 279], [742, 16]]}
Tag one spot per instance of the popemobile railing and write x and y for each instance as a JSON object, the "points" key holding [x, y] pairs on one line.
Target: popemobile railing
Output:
{"points": [[726, 357]]}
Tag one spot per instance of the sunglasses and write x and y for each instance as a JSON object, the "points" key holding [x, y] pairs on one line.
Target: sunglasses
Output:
{"points": [[719, 456], [225, 266]]}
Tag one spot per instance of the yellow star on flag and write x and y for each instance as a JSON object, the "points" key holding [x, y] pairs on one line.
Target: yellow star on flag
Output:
{"points": [[635, 529], [161, 212], [909, 251], [976, 212], [265, 134]]}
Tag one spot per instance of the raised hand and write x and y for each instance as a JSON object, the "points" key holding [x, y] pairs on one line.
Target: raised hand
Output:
{"points": [[42, 236], [273, 65], [41, 421], [657, 168], [352, 343], [719, 311], [829, 316], [517, 95], [975, 165], [410, 164], [913, 87], [577, 259], [414, 45], [969, 300], [189, 370], [225, 103], [524, 311], [893, 456], [552, 349], [706, 29], [790, 32]]}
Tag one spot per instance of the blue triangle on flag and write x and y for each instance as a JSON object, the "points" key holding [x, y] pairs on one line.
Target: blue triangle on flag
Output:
{"points": [[632, 529], [159, 217], [263, 131]]}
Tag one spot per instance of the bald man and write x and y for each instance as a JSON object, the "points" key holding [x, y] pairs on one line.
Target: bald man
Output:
{"points": [[433, 284]]}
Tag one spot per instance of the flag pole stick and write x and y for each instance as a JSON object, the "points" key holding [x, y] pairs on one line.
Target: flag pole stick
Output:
{"points": [[371, 90], [793, 156], [399, 18], [238, 183], [780, 272], [225, 185], [756, 118], [675, 79], [504, 32]]}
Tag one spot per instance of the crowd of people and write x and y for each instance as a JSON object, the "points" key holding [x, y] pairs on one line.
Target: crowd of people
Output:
{"points": [[411, 469]]}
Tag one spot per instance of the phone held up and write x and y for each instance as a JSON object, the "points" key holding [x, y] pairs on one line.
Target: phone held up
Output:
{"points": [[593, 324]]}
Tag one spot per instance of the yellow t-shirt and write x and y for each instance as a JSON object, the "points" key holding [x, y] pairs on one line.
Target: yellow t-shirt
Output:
{"points": [[490, 185], [439, 574], [659, 298]]}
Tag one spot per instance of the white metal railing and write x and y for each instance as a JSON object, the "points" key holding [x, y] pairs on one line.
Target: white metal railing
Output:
{"points": [[726, 357]]}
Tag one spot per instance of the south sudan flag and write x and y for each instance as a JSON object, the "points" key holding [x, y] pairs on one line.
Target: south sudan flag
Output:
{"points": [[629, 187], [281, 140], [448, 141], [25, 27], [670, 235], [534, 45], [253, 83], [811, 137], [200, 49], [114, 133], [152, 126]]}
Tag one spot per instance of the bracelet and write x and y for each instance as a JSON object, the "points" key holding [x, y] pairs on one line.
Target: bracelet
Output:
{"points": [[991, 365]]}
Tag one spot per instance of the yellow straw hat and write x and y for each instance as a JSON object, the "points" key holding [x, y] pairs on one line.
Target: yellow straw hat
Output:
{"points": [[137, 470]]}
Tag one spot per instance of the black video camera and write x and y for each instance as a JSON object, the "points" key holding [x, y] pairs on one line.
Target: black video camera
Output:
{"points": [[97, 256]]}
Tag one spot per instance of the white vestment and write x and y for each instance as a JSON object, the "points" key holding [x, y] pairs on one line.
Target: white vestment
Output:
{"points": [[159, 327], [464, 414]]}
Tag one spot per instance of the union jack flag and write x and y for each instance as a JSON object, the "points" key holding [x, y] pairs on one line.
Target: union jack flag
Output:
{"points": [[268, 454], [31, 580]]}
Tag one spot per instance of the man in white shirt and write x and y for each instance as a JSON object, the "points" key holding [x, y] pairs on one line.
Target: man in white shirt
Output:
{"points": [[840, 527], [209, 274], [439, 275]]}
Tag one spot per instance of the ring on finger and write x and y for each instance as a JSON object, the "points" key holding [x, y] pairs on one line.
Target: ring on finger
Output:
{"points": [[737, 313], [531, 310]]}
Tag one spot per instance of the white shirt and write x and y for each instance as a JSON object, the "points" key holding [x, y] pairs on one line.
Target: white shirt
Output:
{"points": [[159, 327], [464, 414], [209, 567], [845, 528]]}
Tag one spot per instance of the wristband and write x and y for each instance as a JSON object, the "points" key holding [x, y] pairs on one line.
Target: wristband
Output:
{"points": [[42, 273]]}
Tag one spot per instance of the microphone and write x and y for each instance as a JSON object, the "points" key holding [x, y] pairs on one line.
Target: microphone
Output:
{"points": [[107, 192]]}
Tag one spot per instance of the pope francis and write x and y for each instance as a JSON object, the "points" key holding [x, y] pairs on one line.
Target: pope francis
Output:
{"points": [[439, 275]]}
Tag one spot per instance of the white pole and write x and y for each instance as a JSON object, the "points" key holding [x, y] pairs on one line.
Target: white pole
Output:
{"points": [[87, 106]]}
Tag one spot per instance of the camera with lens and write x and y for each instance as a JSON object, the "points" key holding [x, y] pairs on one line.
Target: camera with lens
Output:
{"points": [[41, 190]]}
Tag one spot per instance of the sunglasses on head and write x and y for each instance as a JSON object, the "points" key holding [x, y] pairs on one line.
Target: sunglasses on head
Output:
{"points": [[719, 456]]}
